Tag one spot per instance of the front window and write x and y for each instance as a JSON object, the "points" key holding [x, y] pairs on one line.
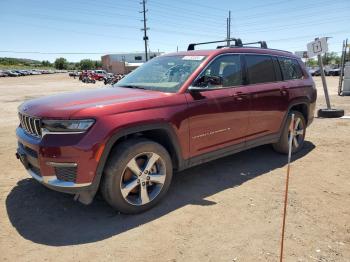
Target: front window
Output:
{"points": [[223, 72], [164, 73]]}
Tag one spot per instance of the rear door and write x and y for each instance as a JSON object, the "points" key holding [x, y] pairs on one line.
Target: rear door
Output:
{"points": [[218, 113], [269, 96]]}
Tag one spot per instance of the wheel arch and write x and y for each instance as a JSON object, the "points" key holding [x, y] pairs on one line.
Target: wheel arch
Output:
{"points": [[297, 104], [303, 108], [161, 133]]}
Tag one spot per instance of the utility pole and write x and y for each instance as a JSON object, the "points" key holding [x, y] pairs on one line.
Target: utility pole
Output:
{"points": [[228, 29], [145, 28]]}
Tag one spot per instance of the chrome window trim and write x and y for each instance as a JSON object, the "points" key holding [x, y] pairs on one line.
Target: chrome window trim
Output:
{"points": [[241, 53]]}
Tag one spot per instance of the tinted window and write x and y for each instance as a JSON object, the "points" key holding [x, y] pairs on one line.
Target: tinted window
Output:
{"points": [[277, 69], [227, 68], [260, 69], [290, 68]]}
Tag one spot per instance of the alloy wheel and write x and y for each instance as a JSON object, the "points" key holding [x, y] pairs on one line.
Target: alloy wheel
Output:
{"points": [[143, 178], [298, 133]]}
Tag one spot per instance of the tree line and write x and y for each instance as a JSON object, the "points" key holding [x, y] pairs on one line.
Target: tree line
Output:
{"points": [[331, 58], [60, 63], [85, 64]]}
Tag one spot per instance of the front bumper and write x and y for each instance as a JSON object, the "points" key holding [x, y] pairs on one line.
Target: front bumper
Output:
{"points": [[66, 169], [53, 181]]}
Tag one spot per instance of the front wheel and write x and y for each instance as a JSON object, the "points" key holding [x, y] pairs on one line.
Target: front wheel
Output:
{"points": [[137, 176], [282, 146]]}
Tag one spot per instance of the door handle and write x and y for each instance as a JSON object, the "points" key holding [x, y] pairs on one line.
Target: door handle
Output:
{"points": [[239, 96]]}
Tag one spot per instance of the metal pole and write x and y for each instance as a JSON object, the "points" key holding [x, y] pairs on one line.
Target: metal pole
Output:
{"points": [[341, 69], [291, 136], [227, 37], [324, 83], [229, 27], [145, 37]]}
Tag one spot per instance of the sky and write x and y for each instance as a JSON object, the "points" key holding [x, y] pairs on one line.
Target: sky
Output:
{"points": [[78, 29]]}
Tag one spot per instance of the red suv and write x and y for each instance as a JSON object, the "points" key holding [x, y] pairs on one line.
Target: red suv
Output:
{"points": [[175, 111]]}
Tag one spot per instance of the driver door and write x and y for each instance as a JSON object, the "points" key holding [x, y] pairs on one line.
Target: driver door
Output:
{"points": [[218, 110]]}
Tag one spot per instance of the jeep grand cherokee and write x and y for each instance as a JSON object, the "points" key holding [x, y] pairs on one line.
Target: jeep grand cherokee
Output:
{"points": [[175, 111]]}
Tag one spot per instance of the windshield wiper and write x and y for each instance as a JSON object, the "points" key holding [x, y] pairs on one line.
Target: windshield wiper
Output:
{"points": [[132, 86]]}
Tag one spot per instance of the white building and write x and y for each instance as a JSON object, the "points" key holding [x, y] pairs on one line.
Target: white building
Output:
{"points": [[123, 63]]}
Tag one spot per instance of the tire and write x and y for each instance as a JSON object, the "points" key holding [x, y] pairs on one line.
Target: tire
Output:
{"points": [[282, 146], [330, 113], [132, 192]]}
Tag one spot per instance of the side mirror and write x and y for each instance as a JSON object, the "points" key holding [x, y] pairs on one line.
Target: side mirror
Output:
{"points": [[207, 81], [195, 89]]}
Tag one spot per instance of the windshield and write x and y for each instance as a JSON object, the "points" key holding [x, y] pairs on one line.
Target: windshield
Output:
{"points": [[164, 73]]}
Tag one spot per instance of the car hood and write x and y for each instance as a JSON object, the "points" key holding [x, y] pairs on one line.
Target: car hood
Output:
{"points": [[96, 101]]}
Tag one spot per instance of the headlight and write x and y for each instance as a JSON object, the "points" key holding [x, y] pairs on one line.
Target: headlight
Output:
{"points": [[73, 126]]}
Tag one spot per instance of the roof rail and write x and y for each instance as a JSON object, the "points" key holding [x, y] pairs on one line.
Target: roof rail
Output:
{"points": [[238, 43], [262, 44]]}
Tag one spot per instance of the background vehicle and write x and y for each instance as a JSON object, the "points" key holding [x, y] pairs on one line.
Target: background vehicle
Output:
{"points": [[333, 72], [112, 79], [318, 72], [12, 73], [74, 73], [35, 72], [176, 111], [312, 71], [3, 73], [85, 74], [99, 75], [88, 79]]}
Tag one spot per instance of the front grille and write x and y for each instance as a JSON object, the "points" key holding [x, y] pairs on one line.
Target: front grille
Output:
{"points": [[30, 124], [67, 174]]}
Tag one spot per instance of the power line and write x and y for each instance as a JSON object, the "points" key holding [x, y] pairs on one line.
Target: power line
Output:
{"points": [[263, 21], [199, 5], [297, 25], [165, 31], [56, 53]]}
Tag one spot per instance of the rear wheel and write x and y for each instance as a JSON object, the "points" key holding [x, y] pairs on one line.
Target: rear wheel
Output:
{"points": [[137, 176], [282, 146]]}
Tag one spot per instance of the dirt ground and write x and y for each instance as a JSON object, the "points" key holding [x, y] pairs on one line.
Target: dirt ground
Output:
{"points": [[226, 210]]}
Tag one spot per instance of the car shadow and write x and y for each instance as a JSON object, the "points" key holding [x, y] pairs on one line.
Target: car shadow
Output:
{"points": [[50, 218]]}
